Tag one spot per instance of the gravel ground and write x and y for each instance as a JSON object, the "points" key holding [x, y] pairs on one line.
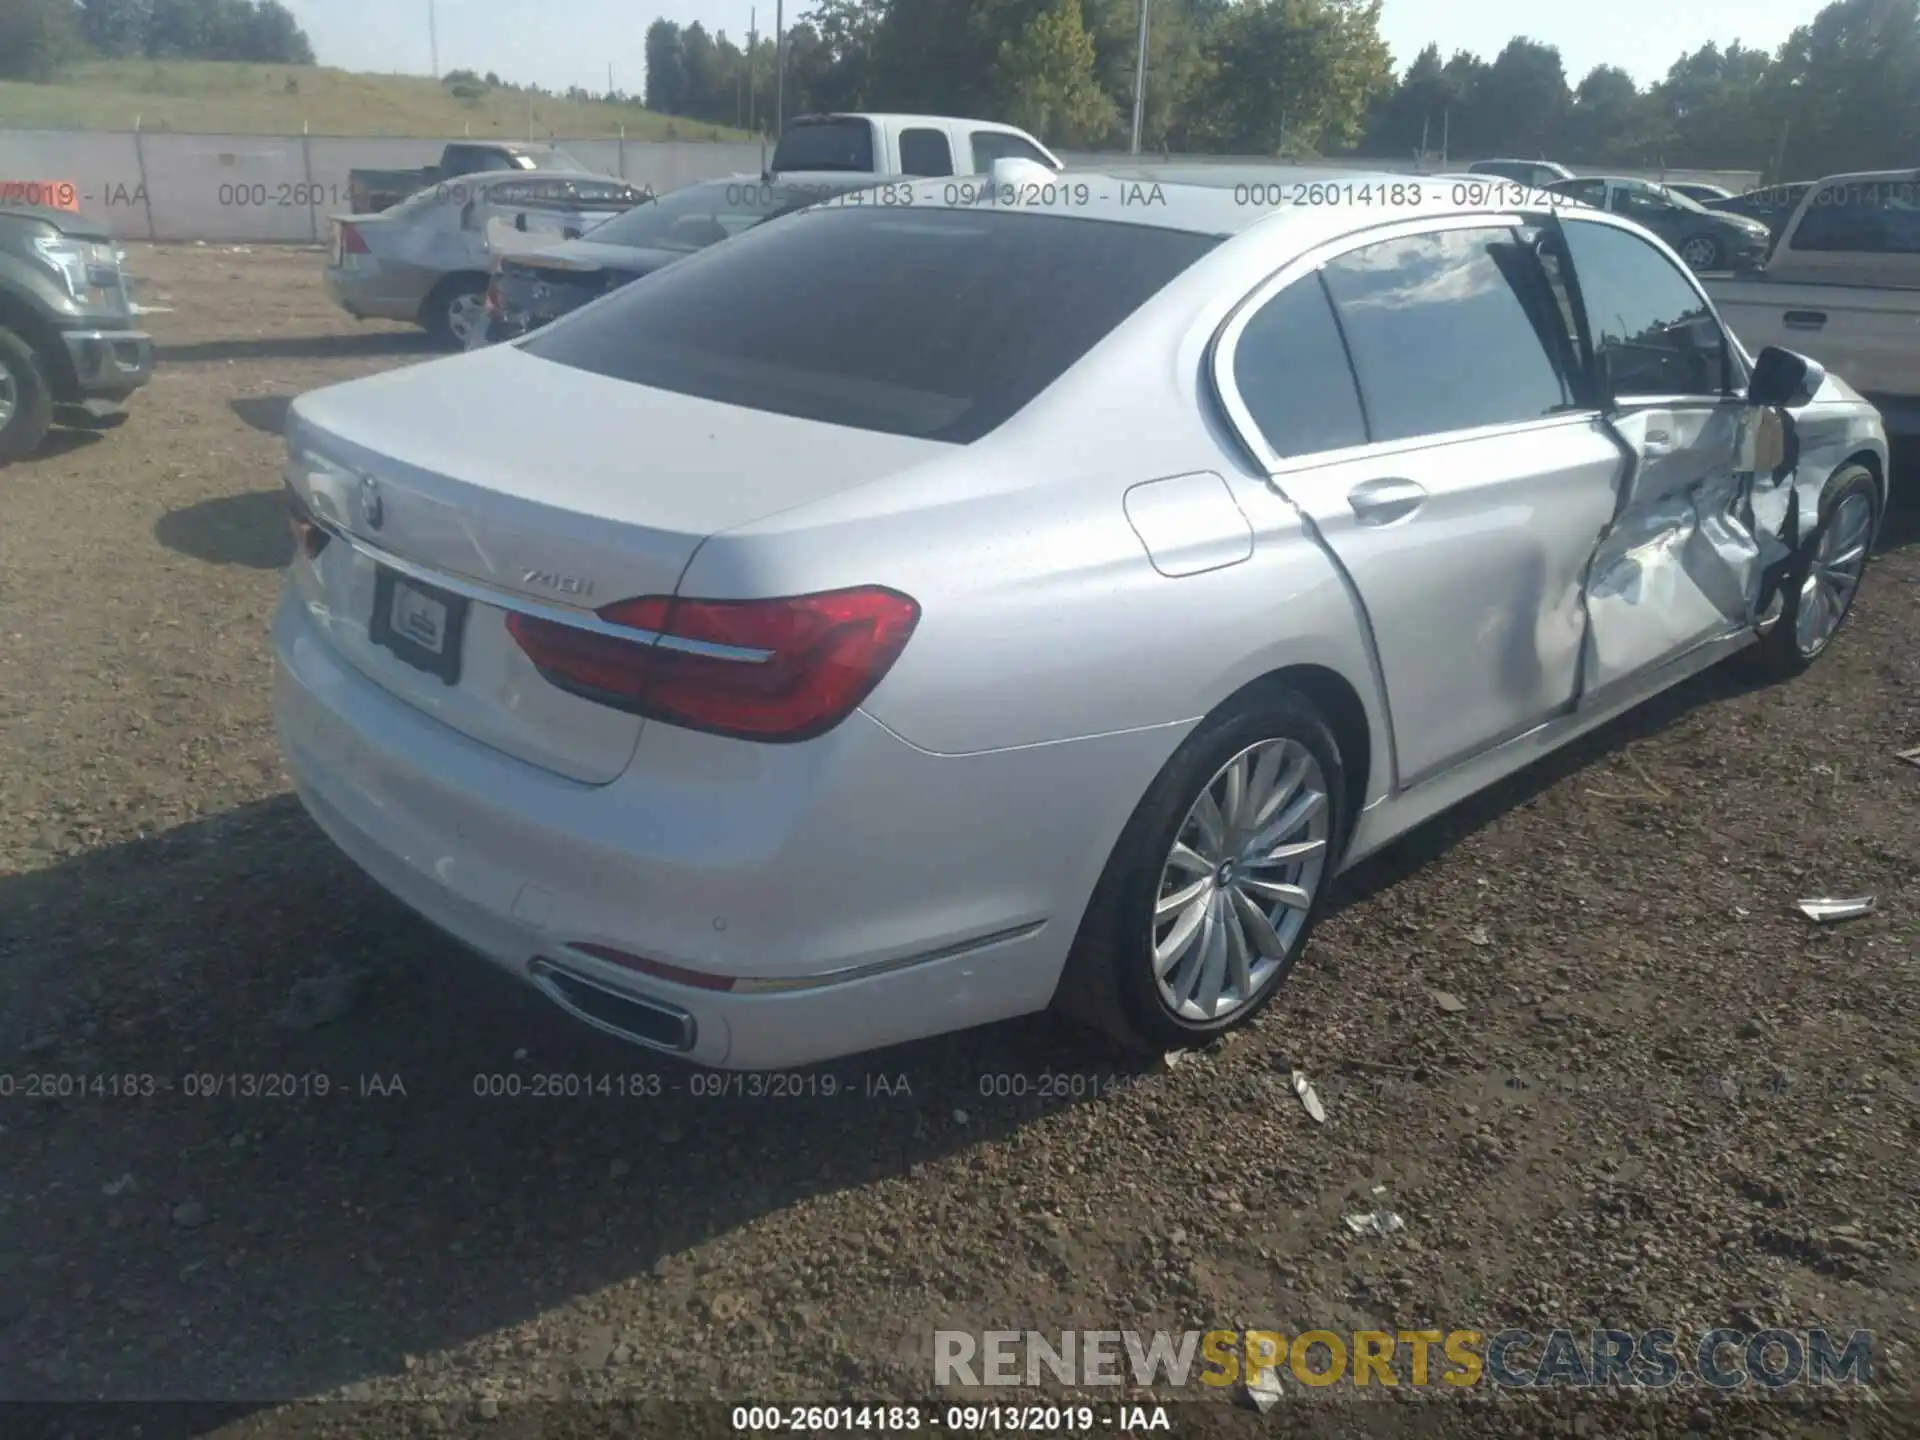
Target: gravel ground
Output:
{"points": [[1603, 1070]]}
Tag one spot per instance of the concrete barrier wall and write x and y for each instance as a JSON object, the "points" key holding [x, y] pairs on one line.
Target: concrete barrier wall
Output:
{"points": [[265, 188], [255, 188]]}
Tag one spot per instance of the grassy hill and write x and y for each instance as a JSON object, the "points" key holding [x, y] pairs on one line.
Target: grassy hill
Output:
{"points": [[275, 99]]}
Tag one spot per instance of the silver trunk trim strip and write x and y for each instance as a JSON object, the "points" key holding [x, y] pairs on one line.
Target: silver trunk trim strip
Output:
{"points": [[504, 599]]}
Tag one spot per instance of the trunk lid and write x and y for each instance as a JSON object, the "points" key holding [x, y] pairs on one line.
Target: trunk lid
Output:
{"points": [[495, 481], [542, 285]]}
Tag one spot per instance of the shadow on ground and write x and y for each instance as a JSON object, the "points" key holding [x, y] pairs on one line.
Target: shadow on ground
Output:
{"points": [[370, 344], [249, 530], [428, 1196], [58, 442], [265, 413]]}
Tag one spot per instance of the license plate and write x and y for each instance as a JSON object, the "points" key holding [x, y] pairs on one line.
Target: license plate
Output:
{"points": [[419, 624]]}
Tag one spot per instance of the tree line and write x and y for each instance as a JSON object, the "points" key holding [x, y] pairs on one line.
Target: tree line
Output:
{"points": [[38, 37], [1314, 77]]}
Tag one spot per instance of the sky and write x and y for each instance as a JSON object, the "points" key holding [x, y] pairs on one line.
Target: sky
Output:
{"points": [[558, 43]]}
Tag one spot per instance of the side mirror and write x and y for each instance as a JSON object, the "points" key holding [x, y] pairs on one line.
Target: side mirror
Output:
{"points": [[520, 222], [1784, 378]]}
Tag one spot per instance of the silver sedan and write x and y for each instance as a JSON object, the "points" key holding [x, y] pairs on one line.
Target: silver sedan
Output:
{"points": [[938, 607], [426, 261]]}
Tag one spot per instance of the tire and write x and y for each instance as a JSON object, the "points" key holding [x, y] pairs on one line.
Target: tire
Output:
{"points": [[1703, 252], [1849, 516], [26, 400], [456, 304], [1111, 981]]}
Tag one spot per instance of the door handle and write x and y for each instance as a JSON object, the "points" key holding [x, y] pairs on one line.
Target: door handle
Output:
{"points": [[1377, 502], [1804, 319], [1656, 444]]}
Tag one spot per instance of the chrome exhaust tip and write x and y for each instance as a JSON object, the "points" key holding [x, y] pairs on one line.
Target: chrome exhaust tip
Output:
{"points": [[651, 1023]]}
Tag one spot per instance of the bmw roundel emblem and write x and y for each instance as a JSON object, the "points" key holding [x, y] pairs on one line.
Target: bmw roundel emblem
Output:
{"points": [[371, 509]]}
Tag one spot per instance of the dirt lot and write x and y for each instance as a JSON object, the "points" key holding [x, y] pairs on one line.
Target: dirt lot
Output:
{"points": [[1662, 1099]]}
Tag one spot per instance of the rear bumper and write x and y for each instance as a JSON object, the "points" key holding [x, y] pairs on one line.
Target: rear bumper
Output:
{"points": [[870, 893], [108, 364]]}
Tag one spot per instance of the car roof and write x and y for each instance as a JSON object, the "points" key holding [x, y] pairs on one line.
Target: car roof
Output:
{"points": [[1907, 176], [897, 117], [1225, 200], [490, 179]]}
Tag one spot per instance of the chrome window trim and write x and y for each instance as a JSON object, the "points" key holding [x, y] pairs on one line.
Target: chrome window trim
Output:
{"points": [[1226, 339], [1226, 343], [503, 599], [1740, 366]]}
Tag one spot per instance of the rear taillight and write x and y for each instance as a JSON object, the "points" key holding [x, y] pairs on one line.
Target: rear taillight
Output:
{"points": [[308, 534], [771, 670], [496, 306], [352, 242]]}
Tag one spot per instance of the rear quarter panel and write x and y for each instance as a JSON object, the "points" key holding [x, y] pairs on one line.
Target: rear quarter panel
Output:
{"points": [[1043, 618]]}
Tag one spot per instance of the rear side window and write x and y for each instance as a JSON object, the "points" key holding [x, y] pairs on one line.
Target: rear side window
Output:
{"points": [[1586, 192], [992, 145], [925, 152], [1290, 367], [1447, 332], [826, 145], [1650, 328], [939, 324], [1863, 217]]}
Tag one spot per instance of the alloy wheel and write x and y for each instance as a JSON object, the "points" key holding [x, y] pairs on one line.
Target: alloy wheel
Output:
{"points": [[1700, 252], [466, 313], [1237, 886], [1839, 561]]}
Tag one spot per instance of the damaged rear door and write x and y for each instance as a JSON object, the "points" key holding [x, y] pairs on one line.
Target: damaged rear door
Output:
{"points": [[1682, 564]]}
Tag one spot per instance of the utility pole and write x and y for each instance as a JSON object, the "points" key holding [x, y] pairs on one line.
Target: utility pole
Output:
{"points": [[609, 80], [1446, 130], [433, 41], [753, 44], [779, 68], [1140, 79]]}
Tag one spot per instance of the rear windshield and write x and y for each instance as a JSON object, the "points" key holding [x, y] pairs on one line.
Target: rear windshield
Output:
{"points": [[702, 215], [939, 324], [826, 145]]}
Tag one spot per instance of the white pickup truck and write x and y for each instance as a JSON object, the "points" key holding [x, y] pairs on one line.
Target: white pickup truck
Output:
{"points": [[1842, 286], [894, 147]]}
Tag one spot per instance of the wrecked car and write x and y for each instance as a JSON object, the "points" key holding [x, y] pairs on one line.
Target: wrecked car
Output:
{"points": [[534, 285], [428, 259], [902, 618]]}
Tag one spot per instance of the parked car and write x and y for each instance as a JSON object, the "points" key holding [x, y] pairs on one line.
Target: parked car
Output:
{"points": [[1771, 205], [1843, 284], [370, 191], [885, 147], [534, 286], [1706, 239], [427, 260], [1699, 191], [1526, 172], [901, 618], [70, 352]]}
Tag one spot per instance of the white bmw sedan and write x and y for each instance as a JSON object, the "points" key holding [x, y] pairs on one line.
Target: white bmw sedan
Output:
{"points": [[933, 608]]}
